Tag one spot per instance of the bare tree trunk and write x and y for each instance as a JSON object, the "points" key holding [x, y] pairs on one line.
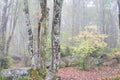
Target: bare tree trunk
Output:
{"points": [[97, 10], [118, 1], [76, 17], [102, 17], [84, 14], [4, 26], [12, 28], [55, 40], [112, 31], [30, 34]]}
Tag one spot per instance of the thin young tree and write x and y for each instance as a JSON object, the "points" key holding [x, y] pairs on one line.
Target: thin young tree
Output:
{"points": [[102, 17], [42, 39], [3, 29], [13, 23], [118, 1]]}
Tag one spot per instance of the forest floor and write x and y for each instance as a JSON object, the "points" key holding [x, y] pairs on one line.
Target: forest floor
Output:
{"points": [[103, 73]]}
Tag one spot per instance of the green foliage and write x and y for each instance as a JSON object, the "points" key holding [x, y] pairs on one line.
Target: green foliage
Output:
{"points": [[3, 78], [6, 62], [115, 52], [48, 48], [64, 50], [34, 74], [87, 43], [22, 79], [14, 78], [117, 78], [63, 46]]}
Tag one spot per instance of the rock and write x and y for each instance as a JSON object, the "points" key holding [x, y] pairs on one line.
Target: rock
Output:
{"points": [[111, 62], [15, 72], [69, 61]]}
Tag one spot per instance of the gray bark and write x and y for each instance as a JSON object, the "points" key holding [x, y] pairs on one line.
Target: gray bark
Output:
{"points": [[111, 31], [13, 25], [118, 1], [102, 16], [76, 17], [55, 40], [4, 26], [107, 25], [10, 73], [30, 34]]}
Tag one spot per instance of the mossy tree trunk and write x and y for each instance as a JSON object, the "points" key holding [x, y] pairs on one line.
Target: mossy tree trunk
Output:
{"points": [[42, 39], [38, 60]]}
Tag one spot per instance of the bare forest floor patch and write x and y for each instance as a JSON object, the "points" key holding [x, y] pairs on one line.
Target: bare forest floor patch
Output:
{"points": [[70, 73]]}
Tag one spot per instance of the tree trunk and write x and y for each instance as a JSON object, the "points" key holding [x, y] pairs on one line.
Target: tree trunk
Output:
{"points": [[76, 17], [43, 5], [42, 39], [30, 35], [55, 39], [12, 28], [4, 26], [119, 11], [102, 17]]}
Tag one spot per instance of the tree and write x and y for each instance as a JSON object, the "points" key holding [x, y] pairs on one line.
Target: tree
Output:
{"points": [[56, 39], [107, 24], [118, 1], [30, 34], [41, 45], [102, 16], [5, 16], [76, 17], [12, 25], [3, 29]]}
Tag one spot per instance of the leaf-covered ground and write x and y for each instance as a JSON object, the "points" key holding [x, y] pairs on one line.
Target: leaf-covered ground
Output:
{"points": [[92, 74]]}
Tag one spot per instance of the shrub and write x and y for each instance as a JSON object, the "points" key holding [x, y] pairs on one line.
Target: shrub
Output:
{"points": [[88, 43], [6, 62], [64, 48], [115, 52], [117, 78]]}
